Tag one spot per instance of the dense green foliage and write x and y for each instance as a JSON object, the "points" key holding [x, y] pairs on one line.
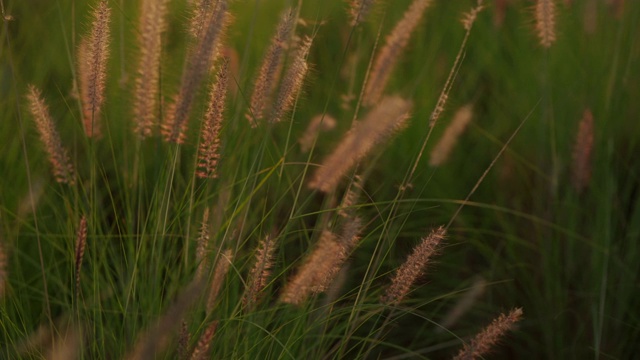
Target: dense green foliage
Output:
{"points": [[568, 258]]}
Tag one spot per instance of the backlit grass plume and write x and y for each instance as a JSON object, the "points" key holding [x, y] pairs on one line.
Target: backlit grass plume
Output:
{"points": [[63, 171], [292, 81], [209, 150], [198, 65], [93, 55], [486, 340], [269, 70], [260, 272], [387, 58], [81, 243], [442, 150], [545, 14], [145, 96], [387, 117], [322, 266], [413, 268]]}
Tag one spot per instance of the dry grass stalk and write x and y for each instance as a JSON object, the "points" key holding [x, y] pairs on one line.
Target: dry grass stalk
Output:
{"points": [[93, 55], [489, 337], [209, 150], [145, 96], [389, 116], [198, 64], [259, 276], [4, 274], [413, 268], [359, 9], [582, 152], [388, 56], [545, 13], [81, 242], [270, 68], [202, 245], [323, 265], [58, 157], [155, 339], [322, 122], [219, 273], [203, 348], [442, 150], [292, 81]]}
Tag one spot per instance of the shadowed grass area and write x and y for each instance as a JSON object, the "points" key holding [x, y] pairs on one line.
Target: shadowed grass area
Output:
{"points": [[520, 233]]}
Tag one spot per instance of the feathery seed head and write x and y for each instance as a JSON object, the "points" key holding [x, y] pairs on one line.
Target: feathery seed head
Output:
{"points": [[63, 171], [323, 122], [545, 14], [93, 55], [261, 272], [389, 116], [270, 68], [359, 9], [198, 63], [145, 97], [81, 242], [292, 82], [388, 56], [209, 150], [442, 150], [413, 268], [489, 337]]}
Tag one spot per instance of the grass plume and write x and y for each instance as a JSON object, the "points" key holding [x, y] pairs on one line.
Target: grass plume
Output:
{"points": [[413, 268], [63, 171], [484, 342], [93, 55], [292, 81], [545, 14], [442, 150], [145, 95], [81, 243], [270, 68], [388, 56], [387, 117], [260, 272], [198, 64], [209, 150]]}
